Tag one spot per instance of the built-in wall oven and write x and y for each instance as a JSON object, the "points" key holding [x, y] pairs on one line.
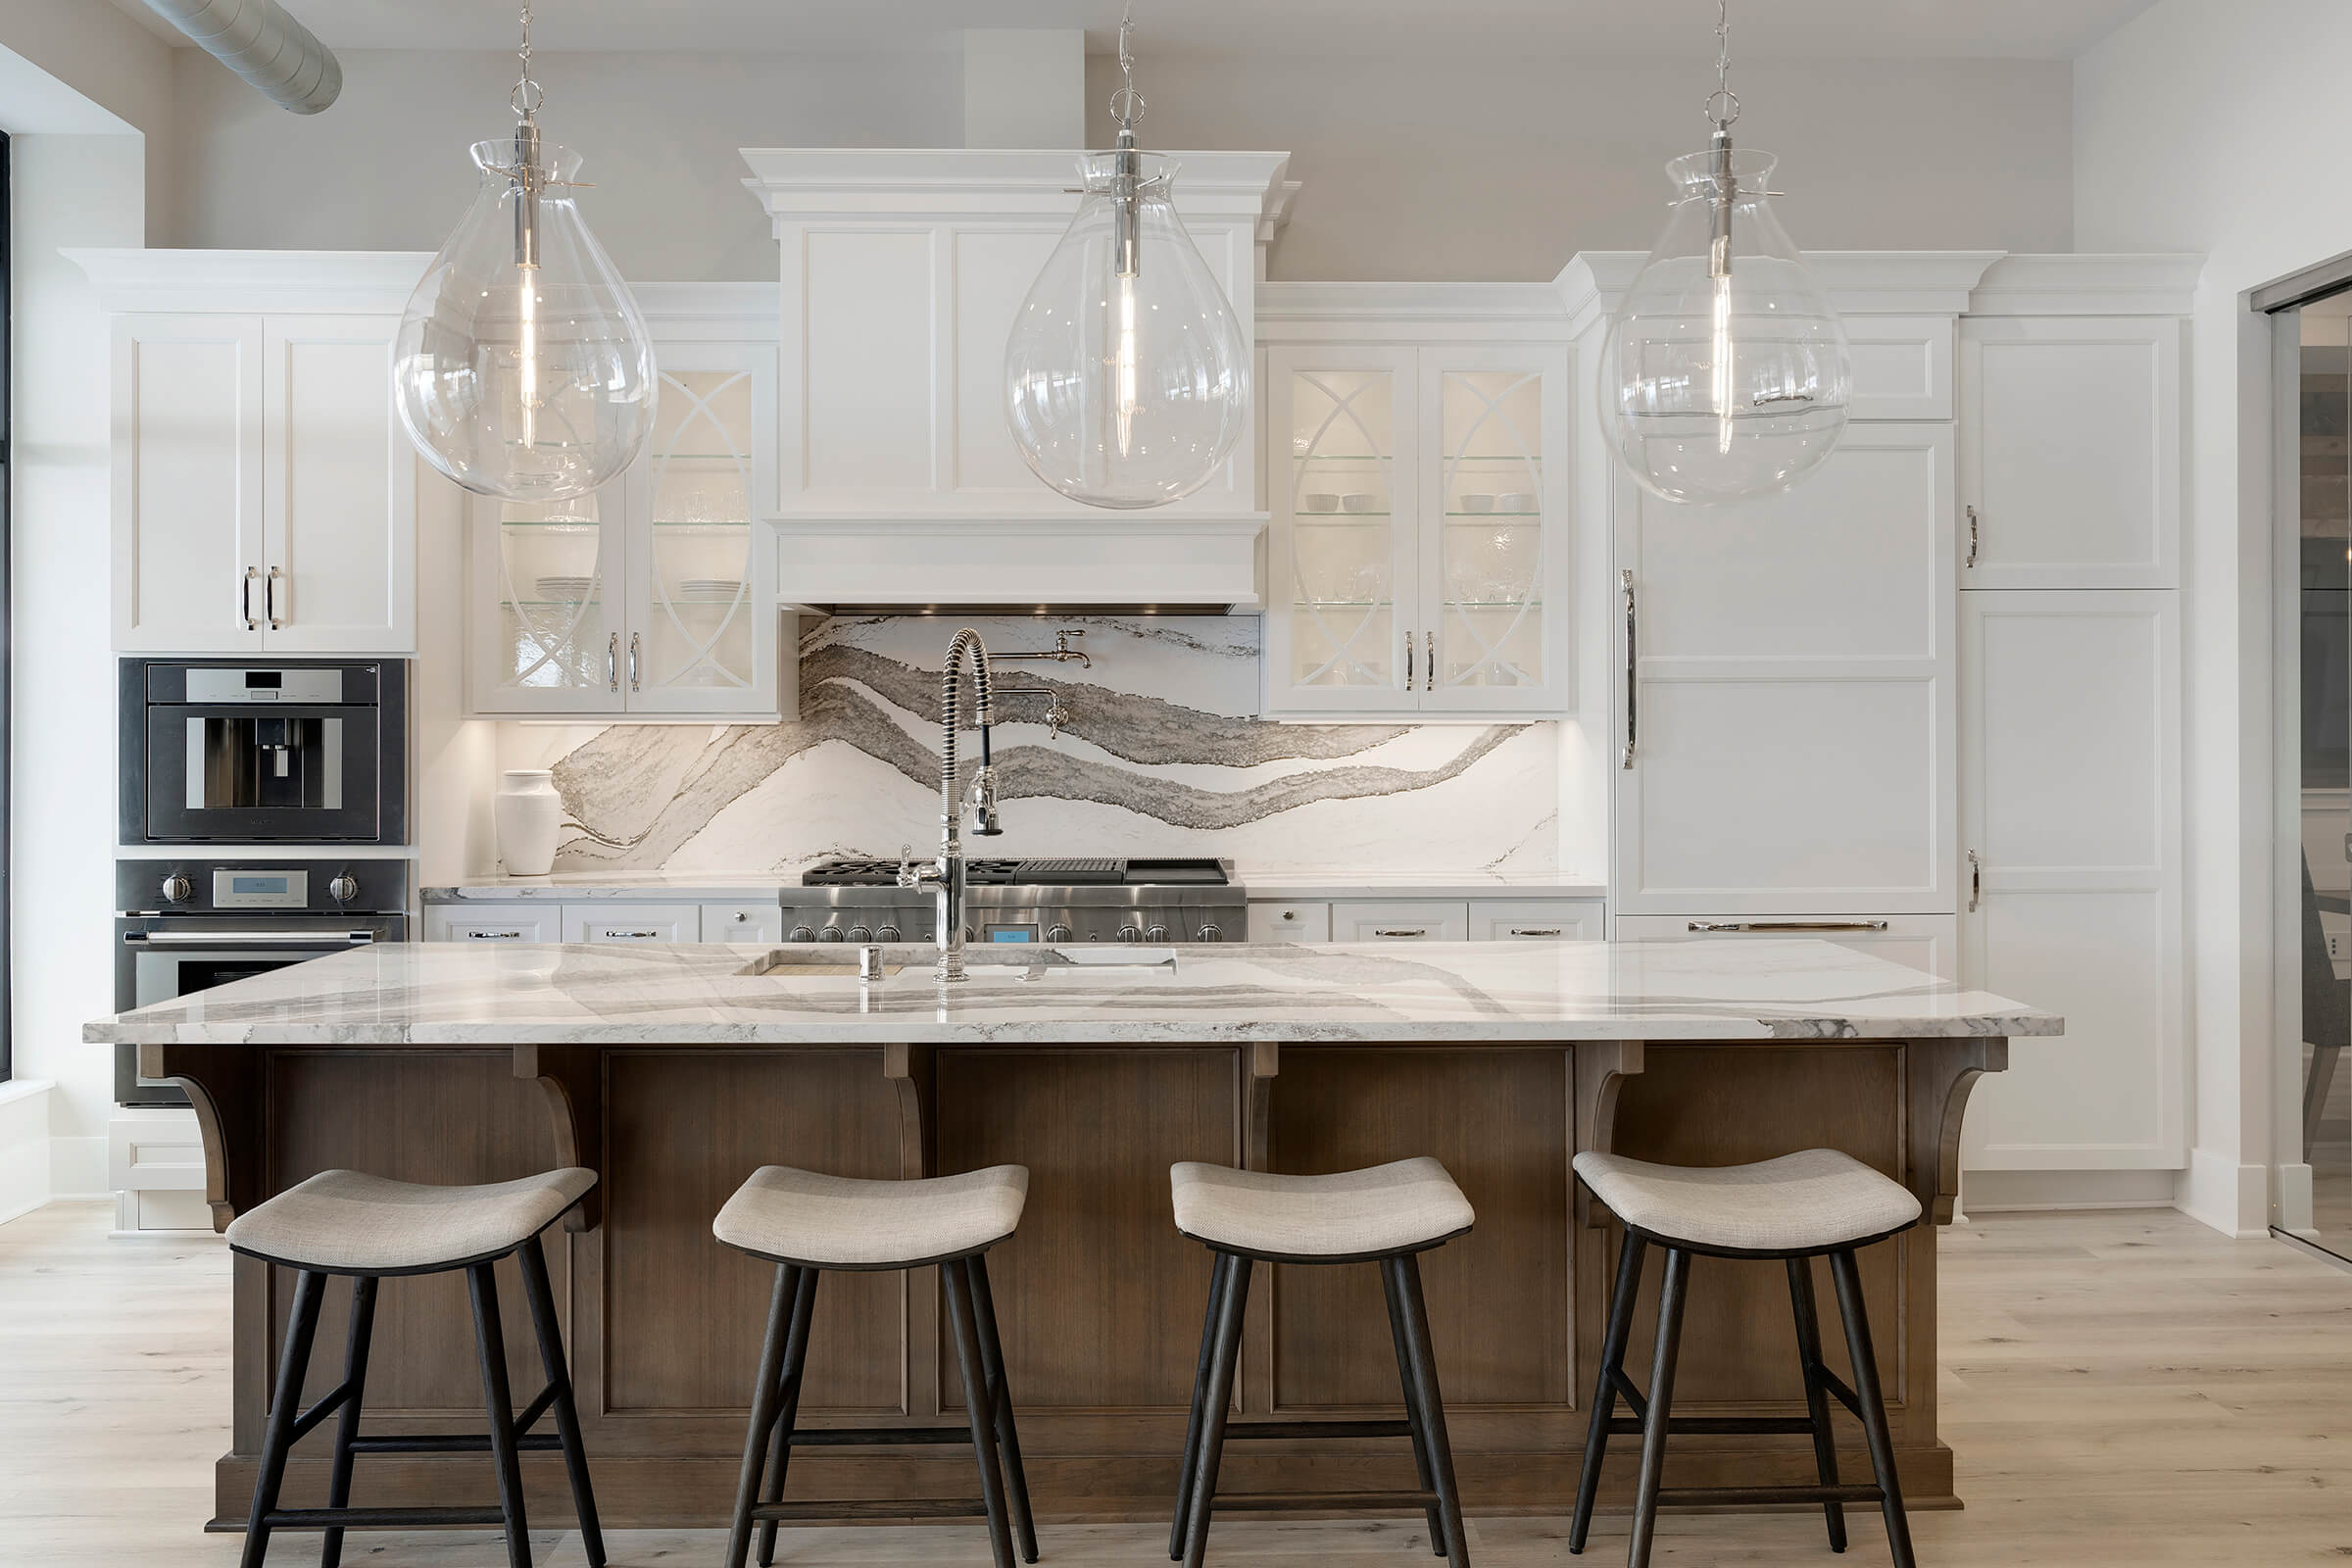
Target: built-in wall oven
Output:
{"points": [[188, 925], [282, 752]]}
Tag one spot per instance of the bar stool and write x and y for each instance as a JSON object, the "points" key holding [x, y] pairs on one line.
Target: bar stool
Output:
{"points": [[1385, 1214], [1818, 1203], [370, 1228], [805, 1224]]}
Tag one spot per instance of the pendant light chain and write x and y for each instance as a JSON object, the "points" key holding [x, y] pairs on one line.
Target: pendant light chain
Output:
{"points": [[1723, 106], [527, 95], [1127, 105]]}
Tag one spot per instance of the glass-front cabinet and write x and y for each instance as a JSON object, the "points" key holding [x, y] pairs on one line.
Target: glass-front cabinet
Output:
{"points": [[1418, 560], [656, 595]]}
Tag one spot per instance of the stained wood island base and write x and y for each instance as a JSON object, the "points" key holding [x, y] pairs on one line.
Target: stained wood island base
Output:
{"points": [[674, 1072]]}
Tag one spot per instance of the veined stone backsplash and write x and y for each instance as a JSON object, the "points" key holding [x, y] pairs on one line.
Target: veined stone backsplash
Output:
{"points": [[1162, 754]]}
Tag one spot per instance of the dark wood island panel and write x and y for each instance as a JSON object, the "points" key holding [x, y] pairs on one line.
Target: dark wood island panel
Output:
{"points": [[1098, 1300]]}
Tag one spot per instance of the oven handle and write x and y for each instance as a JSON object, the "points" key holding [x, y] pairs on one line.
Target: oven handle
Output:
{"points": [[267, 939]]}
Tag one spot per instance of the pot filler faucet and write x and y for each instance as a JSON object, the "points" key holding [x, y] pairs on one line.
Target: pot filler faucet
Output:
{"points": [[945, 876]]}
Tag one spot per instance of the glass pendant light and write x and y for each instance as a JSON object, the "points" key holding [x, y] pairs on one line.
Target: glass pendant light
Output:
{"points": [[1726, 371], [1126, 379], [522, 369]]}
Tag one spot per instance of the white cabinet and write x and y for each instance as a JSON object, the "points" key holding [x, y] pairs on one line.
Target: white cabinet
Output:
{"points": [[493, 923], [2073, 450], [1787, 708], [1401, 920], [743, 922], [656, 594], [1929, 941], [1289, 923], [2071, 803], [603, 922], [1417, 559], [264, 492], [1534, 919]]}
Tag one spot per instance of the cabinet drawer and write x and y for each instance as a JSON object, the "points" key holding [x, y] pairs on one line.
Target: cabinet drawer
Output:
{"points": [[1401, 921], [1290, 923], [493, 923], [1534, 920], [632, 922], [743, 922], [1926, 941]]}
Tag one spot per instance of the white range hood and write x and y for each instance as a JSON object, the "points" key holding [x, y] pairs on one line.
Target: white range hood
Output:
{"points": [[898, 486]]}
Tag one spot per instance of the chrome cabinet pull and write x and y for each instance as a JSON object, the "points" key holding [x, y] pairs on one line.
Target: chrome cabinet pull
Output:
{"points": [[631, 936], [633, 641], [253, 574], [1534, 931], [1975, 881], [1429, 660], [1972, 538], [269, 600], [493, 936], [613, 661], [1408, 661], [1626, 578], [1402, 931], [1787, 925]]}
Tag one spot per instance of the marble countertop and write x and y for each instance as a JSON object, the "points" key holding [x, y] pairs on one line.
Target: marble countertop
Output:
{"points": [[432, 994], [654, 887]]}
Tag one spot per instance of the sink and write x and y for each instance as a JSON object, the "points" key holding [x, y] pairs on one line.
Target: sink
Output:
{"points": [[1033, 962]]}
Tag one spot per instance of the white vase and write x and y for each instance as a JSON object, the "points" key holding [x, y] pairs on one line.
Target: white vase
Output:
{"points": [[529, 814]]}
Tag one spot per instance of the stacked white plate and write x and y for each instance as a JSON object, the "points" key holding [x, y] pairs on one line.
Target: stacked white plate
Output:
{"points": [[565, 589], [707, 591]]}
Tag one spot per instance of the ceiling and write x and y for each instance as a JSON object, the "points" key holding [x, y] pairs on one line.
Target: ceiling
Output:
{"points": [[1844, 29]]}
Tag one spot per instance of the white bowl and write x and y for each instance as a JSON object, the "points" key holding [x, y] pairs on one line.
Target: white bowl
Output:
{"points": [[1359, 500], [1322, 501], [1515, 501], [1476, 502]]}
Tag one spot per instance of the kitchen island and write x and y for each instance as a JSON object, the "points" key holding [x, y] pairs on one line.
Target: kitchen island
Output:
{"points": [[676, 1071]]}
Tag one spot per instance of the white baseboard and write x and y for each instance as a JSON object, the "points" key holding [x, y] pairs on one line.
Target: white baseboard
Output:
{"points": [[2028, 1192], [2232, 1199], [25, 1146]]}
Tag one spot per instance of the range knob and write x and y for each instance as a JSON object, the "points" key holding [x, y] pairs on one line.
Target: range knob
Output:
{"points": [[888, 933], [1208, 933], [859, 933], [344, 888], [1059, 933], [1130, 933], [831, 933], [1157, 934], [177, 888], [800, 933]]}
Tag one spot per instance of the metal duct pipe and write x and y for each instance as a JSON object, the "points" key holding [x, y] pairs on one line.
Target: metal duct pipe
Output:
{"points": [[282, 59]]}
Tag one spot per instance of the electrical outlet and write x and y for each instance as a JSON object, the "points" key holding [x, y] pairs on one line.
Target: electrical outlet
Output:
{"points": [[2339, 946]]}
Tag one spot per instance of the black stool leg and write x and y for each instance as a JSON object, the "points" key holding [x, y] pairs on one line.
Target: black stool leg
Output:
{"points": [[767, 1394], [1192, 1428], [1217, 1401], [1423, 1369], [302, 1323], [1662, 1403], [1000, 1395], [1413, 1413], [499, 1400], [542, 1299], [1817, 1398], [1604, 1392], [975, 1409], [1874, 1411], [347, 1420], [788, 1408]]}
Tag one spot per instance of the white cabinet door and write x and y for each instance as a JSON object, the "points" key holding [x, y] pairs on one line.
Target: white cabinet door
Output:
{"points": [[493, 923], [1929, 941], [1342, 550], [743, 922], [545, 591], [1401, 920], [1785, 742], [1289, 923], [2072, 452], [1534, 919], [339, 507], [2070, 790], [187, 465], [632, 922], [1902, 366], [1493, 596]]}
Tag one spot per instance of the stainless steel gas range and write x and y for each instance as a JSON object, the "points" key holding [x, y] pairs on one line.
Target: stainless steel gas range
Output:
{"points": [[1025, 900]]}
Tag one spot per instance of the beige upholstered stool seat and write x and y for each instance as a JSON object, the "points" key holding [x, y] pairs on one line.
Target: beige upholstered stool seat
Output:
{"points": [[345, 1222], [803, 1217], [1382, 1209], [1815, 1200]]}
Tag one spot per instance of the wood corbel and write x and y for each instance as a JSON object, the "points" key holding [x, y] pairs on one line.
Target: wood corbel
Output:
{"points": [[911, 1071], [1939, 1076], [1261, 1060], [224, 1084], [571, 1077], [1601, 1069]]}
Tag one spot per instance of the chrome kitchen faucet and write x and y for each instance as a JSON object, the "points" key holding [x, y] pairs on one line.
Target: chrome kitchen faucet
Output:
{"points": [[945, 876]]}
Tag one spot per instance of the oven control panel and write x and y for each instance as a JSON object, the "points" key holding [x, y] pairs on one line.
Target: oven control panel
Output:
{"points": [[251, 888], [376, 886]]}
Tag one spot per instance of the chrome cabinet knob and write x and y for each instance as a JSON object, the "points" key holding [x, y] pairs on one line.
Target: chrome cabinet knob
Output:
{"points": [[802, 932], [859, 933], [177, 888], [888, 933], [343, 889], [831, 933], [1157, 934], [1208, 933], [1059, 933], [1130, 933]]}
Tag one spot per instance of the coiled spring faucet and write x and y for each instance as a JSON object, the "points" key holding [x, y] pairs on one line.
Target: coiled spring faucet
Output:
{"points": [[945, 876]]}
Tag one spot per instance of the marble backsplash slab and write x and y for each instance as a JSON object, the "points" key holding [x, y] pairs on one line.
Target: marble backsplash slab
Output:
{"points": [[1162, 754]]}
